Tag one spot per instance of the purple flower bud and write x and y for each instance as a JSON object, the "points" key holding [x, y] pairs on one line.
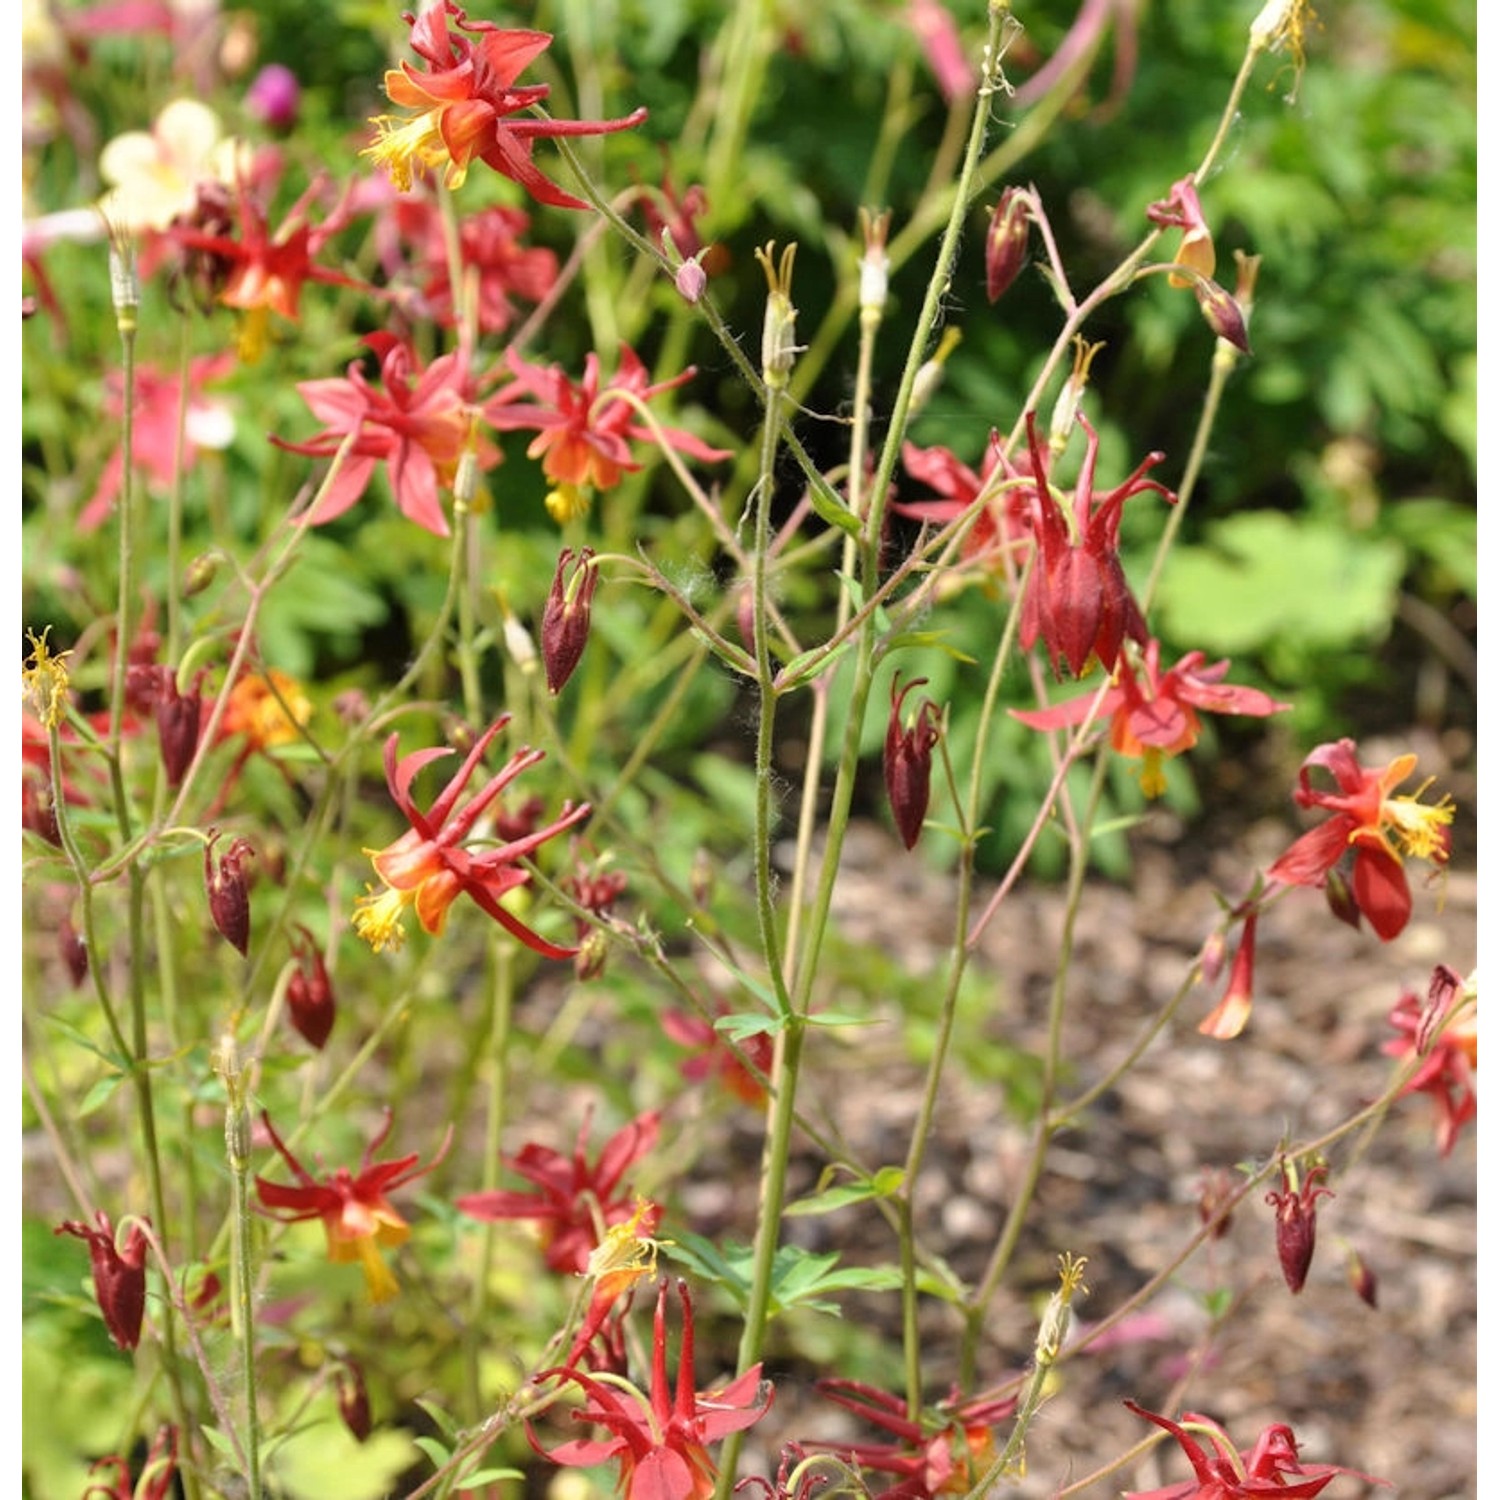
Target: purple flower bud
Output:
{"points": [[690, 280], [75, 955], [1222, 313], [229, 891], [1297, 1221], [275, 97], [908, 760], [177, 721], [354, 1399], [1005, 243], [565, 620], [309, 994]]}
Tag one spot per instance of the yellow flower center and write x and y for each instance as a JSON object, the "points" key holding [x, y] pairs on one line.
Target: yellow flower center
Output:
{"points": [[377, 918], [625, 1254], [44, 679], [1417, 828], [568, 502], [406, 145], [1153, 778]]}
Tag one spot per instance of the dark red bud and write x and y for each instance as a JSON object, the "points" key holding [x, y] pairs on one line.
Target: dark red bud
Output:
{"points": [[1442, 994], [229, 891], [177, 720], [565, 620], [1297, 1223], [309, 994], [1215, 1190], [1341, 900], [592, 955], [1362, 1279], [74, 954], [119, 1276], [38, 810], [1005, 243], [354, 1400], [1222, 314], [908, 760]]}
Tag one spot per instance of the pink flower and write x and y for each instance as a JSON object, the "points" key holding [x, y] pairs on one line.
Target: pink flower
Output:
{"points": [[158, 410], [419, 425]]}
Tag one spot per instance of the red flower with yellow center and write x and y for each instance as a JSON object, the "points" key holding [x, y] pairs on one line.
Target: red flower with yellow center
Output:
{"points": [[1380, 828], [428, 867], [357, 1216], [463, 101]]}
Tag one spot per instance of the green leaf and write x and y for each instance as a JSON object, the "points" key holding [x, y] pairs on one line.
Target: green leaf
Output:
{"points": [[487, 1476], [434, 1450], [883, 1184], [100, 1093], [745, 1024]]}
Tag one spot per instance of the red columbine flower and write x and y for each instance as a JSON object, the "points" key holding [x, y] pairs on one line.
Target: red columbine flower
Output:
{"points": [[229, 890], [357, 1217], [574, 1201], [1180, 209], [119, 1275], [1153, 716], [944, 1451], [660, 1442], [463, 99], [1005, 243], [584, 432], [713, 1057], [908, 759], [1269, 1468], [1297, 1220], [1227, 1019], [1447, 1071], [1078, 602], [428, 868], [1380, 828], [566, 616], [420, 425]]}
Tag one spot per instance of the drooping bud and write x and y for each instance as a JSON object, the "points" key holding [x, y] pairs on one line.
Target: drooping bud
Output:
{"points": [[309, 995], [354, 1399], [201, 572], [1340, 899], [229, 890], [908, 760], [119, 1276], [275, 97], [1297, 1220], [1362, 1279], [1211, 957], [691, 280], [1215, 1190], [1006, 242], [565, 620], [1228, 1017], [177, 722], [778, 342], [72, 950], [1222, 313]]}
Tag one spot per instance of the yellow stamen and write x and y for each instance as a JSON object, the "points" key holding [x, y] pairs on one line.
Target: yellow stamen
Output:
{"points": [[377, 918], [45, 681], [1153, 778], [404, 145], [1417, 827], [379, 1278]]}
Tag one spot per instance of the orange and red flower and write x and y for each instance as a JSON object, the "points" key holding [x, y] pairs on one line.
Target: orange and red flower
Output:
{"points": [[583, 432], [428, 867], [1154, 715], [463, 100], [357, 1216], [1380, 829]]}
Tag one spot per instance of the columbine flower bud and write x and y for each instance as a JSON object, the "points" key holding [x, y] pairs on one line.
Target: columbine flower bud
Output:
{"points": [[1069, 398], [309, 995], [354, 1399], [39, 806], [177, 722], [201, 572], [275, 97], [1228, 1017], [565, 620], [1341, 900], [229, 890], [1297, 1221], [908, 760], [1362, 1279], [778, 342], [691, 280], [1215, 1189], [119, 1276], [1222, 313], [1006, 243], [874, 264], [73, 951], [930, 375]]}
